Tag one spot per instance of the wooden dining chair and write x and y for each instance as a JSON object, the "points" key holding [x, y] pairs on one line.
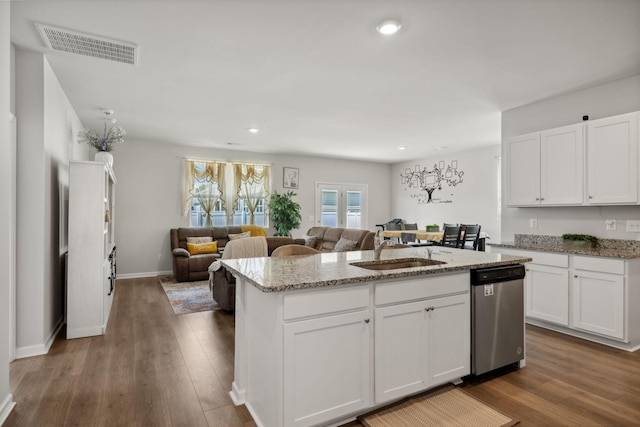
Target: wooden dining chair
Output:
{"points": [[451, 237], [470, 236]]}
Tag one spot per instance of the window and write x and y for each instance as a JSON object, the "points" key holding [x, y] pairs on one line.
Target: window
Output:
{"points": [[217, 195], [341, 205]]}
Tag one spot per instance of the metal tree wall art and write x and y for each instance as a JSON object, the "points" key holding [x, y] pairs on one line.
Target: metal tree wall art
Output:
{"points": [[431, 180]]}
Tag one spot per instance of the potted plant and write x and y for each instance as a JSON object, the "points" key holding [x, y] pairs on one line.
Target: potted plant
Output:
{"points": [[103, 143], [284, 212], [579, 240], [432, 227]]}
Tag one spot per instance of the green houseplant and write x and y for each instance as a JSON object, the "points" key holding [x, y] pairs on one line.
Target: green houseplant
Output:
{"points": [[579, 240], [432, 227], [284, 212]]}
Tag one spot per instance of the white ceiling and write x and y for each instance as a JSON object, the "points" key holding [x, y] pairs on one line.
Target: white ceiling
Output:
{"points": [[316, 77]]}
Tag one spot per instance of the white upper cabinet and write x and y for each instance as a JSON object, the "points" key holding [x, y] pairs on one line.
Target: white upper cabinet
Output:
{"points": [[590, 163], [523, 170], [546, 168], [612, 160], [561, 170]]}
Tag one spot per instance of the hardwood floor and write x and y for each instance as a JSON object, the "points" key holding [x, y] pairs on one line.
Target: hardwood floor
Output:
{"points": [[156, 368]]}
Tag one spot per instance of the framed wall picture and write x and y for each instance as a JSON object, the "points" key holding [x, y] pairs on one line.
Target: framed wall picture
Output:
{"points": [[290, 177]]}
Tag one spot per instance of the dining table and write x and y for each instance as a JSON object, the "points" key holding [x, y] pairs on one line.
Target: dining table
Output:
{"points": [[434, 236]]}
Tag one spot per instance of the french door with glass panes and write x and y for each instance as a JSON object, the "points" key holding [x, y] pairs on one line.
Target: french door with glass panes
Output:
{"points": [[341, 205]]}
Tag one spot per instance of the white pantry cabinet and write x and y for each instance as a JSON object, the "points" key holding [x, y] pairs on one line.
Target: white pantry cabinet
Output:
{"points": [[589, 163], [91, 248], [546, 168]]}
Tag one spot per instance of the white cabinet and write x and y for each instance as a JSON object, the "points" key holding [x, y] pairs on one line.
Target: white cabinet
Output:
{"points": [[598, 297], [523, 170], [612, 160], [547, 293], [326, 367], [589, 163], [91, 242], [421, 344], [546, 168]]}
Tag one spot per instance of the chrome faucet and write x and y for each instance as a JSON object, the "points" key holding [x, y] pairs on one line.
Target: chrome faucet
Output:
{"points": [[378, 246]]}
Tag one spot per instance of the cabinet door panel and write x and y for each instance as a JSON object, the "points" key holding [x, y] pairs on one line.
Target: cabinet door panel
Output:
{"points": [[612, 164], [326, 368], [523, 170], [547, 293], [448, 343], [598, 303], [561, 157], [400, 339]]}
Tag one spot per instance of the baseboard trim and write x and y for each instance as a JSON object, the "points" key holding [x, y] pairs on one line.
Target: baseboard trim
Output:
{"points": [[40, 349], [144, 274], [6, 407]]}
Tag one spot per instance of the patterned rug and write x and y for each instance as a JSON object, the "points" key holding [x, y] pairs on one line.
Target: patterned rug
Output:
{"points": [[448, 406], [188, 297]]}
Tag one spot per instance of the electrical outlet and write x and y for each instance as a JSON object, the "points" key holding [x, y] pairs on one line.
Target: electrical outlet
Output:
{"points": [[611, 224], [633, 226], [533, 223]]}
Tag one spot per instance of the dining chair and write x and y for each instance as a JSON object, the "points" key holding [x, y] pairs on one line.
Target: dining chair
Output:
{"points": [[410, 226], [292, 250], [451, 237], [446, 224], [470, 236]]}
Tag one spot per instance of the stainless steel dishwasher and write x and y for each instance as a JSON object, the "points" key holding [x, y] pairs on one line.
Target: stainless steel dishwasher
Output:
{"points": [[497, 317]]}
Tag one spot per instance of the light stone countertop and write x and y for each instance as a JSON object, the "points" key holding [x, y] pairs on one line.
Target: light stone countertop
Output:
{"points": [[329, 269], [558, 248]]}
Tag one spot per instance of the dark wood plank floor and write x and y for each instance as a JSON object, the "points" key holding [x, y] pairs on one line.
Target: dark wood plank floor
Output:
{"points": [[156, 368]]}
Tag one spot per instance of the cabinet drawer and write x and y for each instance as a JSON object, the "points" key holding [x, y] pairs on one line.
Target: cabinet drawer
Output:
{"points": [[603, 265], [424, 287], [542, 258], [314, 303]]}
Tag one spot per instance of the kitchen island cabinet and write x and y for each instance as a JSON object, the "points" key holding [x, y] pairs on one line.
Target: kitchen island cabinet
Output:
{"points": [[306, 327]]}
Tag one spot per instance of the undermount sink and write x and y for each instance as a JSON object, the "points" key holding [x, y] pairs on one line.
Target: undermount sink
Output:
{"points": [[393, 264]]}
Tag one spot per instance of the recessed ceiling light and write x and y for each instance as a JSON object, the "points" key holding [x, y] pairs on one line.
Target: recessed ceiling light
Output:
{"points": [[389, 26], [402, 147], [444, 147], [253, 130]]}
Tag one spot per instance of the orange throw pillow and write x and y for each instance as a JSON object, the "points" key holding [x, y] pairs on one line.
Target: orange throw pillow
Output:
{"points": [[202, 248]]}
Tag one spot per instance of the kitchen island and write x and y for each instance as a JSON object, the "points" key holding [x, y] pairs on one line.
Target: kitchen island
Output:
{"points": [[319, 340]]}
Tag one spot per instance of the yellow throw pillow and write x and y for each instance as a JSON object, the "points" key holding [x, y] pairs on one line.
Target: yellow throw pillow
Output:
{"points": [[239, 235], [255, 230], [202, 248]]}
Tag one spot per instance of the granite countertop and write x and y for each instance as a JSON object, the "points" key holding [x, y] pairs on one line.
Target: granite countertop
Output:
{"points": [[329, 269], [558, 248]]}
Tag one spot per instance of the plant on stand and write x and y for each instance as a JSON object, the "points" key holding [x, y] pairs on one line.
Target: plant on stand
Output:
{"points": [[103, 143], [284, 212]]}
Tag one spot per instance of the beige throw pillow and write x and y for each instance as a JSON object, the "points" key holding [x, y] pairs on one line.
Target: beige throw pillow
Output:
{"points": [[345, 245], [199, 240], [239, 235], [310, 241]]}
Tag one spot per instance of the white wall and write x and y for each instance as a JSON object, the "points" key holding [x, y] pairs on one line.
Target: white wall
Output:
{"points": [[149, 187], [605, 100], [474, 201], [7, 210], [47, 125]]}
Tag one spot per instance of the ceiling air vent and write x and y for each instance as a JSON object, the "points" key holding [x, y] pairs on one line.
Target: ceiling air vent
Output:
{"points": [[63, 40]]}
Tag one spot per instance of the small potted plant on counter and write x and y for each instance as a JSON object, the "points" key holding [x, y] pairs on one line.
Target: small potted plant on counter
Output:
{"points": [[432, 227], [579, 241]]}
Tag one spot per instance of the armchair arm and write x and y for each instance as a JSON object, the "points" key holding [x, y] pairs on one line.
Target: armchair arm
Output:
{"points": [[181, 252]]}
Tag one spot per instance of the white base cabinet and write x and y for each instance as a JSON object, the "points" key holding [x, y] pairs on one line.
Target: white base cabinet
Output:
{"points": [[307, 357], [591, 297]]}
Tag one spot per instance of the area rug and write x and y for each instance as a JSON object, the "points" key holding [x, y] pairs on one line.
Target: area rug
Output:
{"points": [[449, 406], [188, 297]]}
